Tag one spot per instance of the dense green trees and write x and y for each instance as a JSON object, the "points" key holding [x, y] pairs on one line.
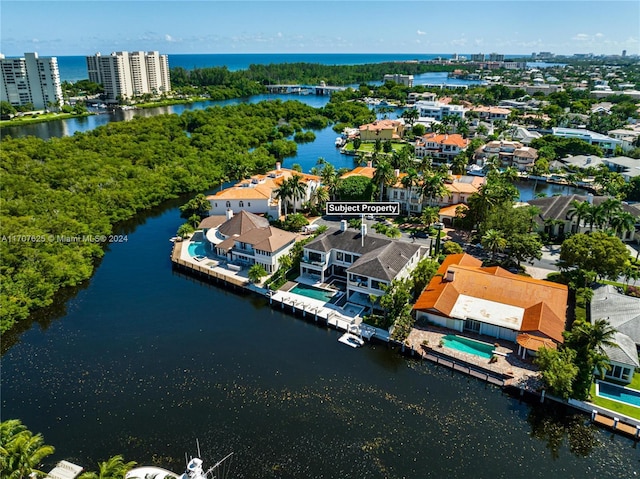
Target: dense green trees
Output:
{"points": [[597, 253], [61, 198]]}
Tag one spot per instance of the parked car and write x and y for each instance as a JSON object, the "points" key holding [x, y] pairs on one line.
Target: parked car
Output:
{"points": [[421, 234]]}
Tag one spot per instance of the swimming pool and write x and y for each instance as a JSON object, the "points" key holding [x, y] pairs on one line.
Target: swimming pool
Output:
{"points": [[312, 292], [197, 248], [470, 346], [618, 393]]}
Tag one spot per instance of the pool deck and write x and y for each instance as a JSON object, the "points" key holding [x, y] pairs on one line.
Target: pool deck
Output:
{"points": [[515, 371]]}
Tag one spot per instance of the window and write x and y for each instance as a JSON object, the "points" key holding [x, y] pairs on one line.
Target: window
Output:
{"points": [[619, 372], [339, 256], [471, 325], [241, 204], [228, 204], [249, 204]]}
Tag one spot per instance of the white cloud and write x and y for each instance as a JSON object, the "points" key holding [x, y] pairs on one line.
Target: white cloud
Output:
{"points": [[420, 32], [599, 35], [169, 38], [581, 37], [279, 34]]}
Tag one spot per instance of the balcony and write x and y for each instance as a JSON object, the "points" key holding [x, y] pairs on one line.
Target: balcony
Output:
{"points": [[313, 262]]}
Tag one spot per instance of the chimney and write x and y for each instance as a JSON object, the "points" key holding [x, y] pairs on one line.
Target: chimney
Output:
{"points": [[229, 214], [278, 166], [590, 198], [396, 172], [369, 164], [450, 275], [363, 229], [343, 225]]}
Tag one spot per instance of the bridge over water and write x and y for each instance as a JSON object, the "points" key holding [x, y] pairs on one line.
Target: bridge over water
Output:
{"points": [[321, 89]]}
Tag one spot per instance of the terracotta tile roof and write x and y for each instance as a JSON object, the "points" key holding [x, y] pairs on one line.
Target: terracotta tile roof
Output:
{"points": [[445, 139], [450, 211], [465, 183], [533, 342], [367, 171], [258, 192], [492, 109], [543, 303], [380, 125]]}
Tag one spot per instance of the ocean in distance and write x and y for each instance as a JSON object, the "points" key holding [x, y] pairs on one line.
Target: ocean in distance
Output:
{"points": [[74, 68]]}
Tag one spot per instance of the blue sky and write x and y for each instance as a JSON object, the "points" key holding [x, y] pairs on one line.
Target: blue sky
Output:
{"points": [[304, 26]]}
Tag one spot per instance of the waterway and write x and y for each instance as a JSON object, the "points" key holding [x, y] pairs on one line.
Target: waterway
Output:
{"points": [[142, 360]]}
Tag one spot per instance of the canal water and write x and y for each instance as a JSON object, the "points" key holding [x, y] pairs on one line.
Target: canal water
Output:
{"points": [[143, 360]]}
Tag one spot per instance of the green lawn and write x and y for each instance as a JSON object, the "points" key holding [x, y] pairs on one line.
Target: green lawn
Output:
{"points": [[369, 147], [627, 410]]}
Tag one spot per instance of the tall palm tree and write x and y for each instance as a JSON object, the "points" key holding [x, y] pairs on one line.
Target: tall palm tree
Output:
{"points": [[579, 210], [384, 176], [329, 178], [112, 468], [433, 186], [430, 215], [622, 221], [493, 241], [409, 181], [320, 196], [595, 216], [283, 193], [595, 336], [610, 207], [298, 189]]}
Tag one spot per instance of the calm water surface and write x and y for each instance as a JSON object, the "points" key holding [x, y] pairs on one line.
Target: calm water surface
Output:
{"points": [[143, 360]]}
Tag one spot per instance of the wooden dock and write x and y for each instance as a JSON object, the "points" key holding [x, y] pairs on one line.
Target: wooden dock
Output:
{"points": [[205, 270]]}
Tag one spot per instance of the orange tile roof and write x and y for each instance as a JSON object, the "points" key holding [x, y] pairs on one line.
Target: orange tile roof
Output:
{"points": [[260, 186], [380, 125], [544, 302], [448, 139], [367, 171], [492, 109], [533, 343], [458, 185], [450, 211]]}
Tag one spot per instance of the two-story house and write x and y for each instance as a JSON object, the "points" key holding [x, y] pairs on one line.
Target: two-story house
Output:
{"points": [[365, 264], [258, 193], [492, 113], [438, 110], [247, 239], [382, 130], [510, 153], [436, 145]]}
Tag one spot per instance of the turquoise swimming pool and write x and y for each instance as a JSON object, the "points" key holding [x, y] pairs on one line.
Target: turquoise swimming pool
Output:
{"points": [[197, 248], [618, 393], [312, 292], [470, 346]]}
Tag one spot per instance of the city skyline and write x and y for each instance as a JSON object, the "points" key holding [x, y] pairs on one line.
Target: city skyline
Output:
{"points": [[264, 26]]}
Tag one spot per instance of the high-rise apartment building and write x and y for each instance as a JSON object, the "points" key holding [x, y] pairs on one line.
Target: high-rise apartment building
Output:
{"points": [[496, 57], [31, 80], [124, 75]]}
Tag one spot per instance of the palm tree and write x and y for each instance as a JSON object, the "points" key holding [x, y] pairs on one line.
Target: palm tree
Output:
{"points": [[319, 197], [493, 241], [21, 451], [384, 176], [595, 216], [430, 215], [410, 180], [433, 186], [112, 468], [256, 272], [580, 210], [329, 178], [610, 207], [283, 193], [411, 115], [459, 164], [298, 189], [622, 221]]}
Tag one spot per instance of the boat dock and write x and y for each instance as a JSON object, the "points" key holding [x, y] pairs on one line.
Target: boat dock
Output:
{"points": [[210, 269]]}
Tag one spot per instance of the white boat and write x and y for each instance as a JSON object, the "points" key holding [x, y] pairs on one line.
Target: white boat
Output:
{"points": [[194, 470], [340, 142], [351, 340]]}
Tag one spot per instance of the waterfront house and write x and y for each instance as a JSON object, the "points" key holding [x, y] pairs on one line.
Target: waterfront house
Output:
{"points": [[557, 215], [623, 314], [510, 153], [466, 297], [382, 130], [365, 264], [258, 193], [247, 239], [436, 145]]}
